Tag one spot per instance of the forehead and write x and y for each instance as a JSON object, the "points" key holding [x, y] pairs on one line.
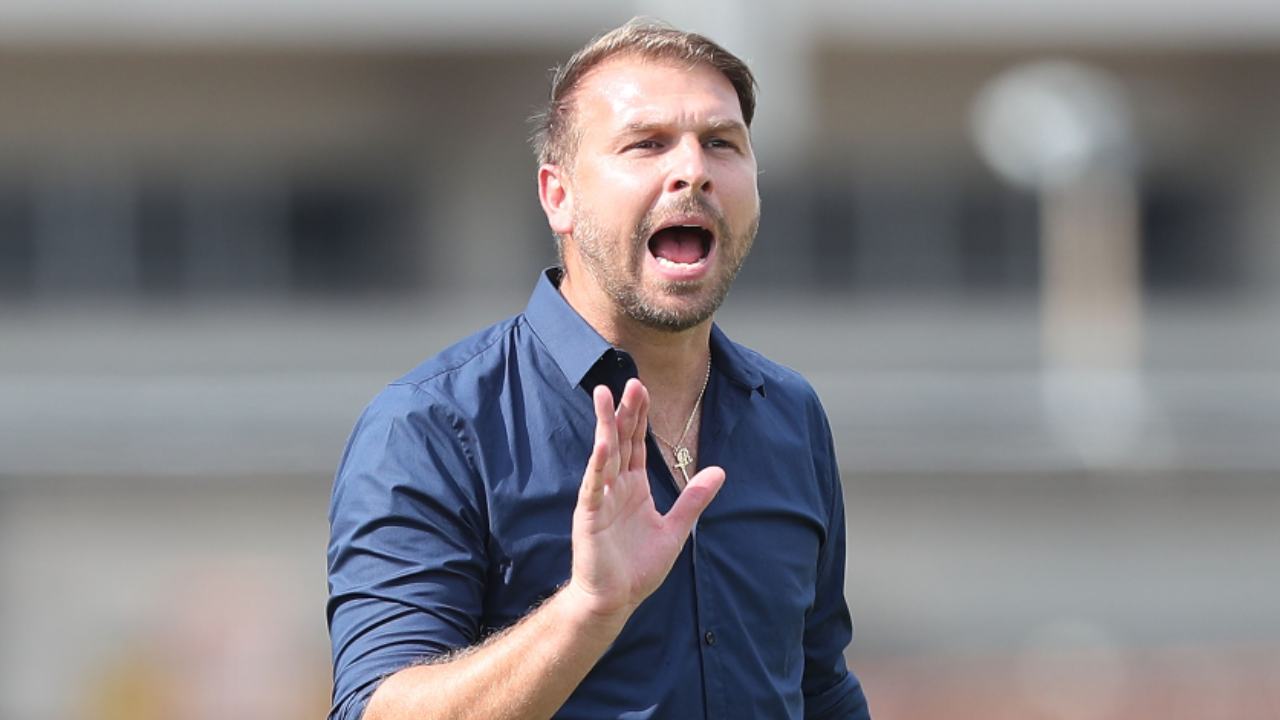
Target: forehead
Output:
{"points": [[631, 90]]}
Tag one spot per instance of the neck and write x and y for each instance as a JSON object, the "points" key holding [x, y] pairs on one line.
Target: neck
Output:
{"points": [[674, 367], [667, 360]]}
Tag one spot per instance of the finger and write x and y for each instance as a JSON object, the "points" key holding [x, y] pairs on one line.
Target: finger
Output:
{"points": [[695, 498], [627, 421], [638, 451], [603, 453]]}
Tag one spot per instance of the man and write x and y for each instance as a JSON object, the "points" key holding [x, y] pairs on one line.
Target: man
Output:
{"points": [[476, 570]]}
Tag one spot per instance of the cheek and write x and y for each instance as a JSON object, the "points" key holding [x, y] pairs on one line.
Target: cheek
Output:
{"points": [[736, 180], [741, 201], [618, 196], [626, 186]]}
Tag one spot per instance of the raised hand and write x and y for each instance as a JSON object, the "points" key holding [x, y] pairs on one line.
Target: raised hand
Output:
{"points": [[623, 547]]}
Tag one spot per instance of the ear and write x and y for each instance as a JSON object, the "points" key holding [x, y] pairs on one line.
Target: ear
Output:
{"points": [[556, 194]]}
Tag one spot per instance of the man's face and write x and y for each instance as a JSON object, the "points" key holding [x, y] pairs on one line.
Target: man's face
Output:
{"points": [[664, 180]]}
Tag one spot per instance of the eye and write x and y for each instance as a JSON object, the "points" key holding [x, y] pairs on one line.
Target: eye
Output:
{"points": [[646, 144], [721, 144]]}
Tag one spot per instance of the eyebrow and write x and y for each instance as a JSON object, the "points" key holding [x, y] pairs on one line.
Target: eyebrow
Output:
{"points": [[719, 125]]}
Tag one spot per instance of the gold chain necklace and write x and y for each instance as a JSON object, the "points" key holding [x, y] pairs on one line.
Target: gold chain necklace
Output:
{"points": [[681, 451]]}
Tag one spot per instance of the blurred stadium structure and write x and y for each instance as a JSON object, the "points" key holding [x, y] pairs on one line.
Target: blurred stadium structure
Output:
{"points": [[224, 226]]}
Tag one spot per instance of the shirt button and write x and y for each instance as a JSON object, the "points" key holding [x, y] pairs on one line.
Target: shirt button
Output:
{"points": [[710, 637]]}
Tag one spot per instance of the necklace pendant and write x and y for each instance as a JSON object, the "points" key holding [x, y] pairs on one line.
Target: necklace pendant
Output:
{"points": [[683, 460]]}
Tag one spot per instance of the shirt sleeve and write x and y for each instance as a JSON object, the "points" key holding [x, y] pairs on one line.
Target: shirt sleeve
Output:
{"points": [[831, 690], [406, 551]]}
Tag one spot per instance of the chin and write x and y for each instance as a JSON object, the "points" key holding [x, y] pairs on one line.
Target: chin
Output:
{"points": [[683, 309]]}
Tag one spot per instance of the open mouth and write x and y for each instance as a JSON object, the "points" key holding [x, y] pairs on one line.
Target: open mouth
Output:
{"points": [[681, 246]]}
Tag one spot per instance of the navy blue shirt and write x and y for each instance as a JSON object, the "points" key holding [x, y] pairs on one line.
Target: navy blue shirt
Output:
{"points": [[453, 504]]}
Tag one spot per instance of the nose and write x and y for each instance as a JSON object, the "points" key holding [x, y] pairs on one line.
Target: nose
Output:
{"points": [[689, 168]]}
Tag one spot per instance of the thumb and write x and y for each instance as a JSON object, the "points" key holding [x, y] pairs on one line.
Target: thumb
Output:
{"points": [[695, 498]]}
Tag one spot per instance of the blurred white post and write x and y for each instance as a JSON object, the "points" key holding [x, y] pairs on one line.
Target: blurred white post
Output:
{"points": [[1091, 299], [1064, 130]]}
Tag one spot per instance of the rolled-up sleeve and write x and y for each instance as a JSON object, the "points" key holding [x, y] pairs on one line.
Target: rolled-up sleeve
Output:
{"points": [[406, 557], [831, 690]]}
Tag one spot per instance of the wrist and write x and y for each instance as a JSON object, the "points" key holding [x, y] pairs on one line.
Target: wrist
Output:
{"points": [[587, 614]]}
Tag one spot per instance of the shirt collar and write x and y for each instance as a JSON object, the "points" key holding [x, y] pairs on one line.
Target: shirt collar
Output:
{"points": [[576, 347], [736, 364], [571, 342]]}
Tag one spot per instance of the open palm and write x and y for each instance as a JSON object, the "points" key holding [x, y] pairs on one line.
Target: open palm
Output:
{"points": [[623, 547]]}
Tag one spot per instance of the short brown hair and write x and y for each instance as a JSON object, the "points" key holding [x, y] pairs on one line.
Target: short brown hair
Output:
{"points": [[555, 137]]}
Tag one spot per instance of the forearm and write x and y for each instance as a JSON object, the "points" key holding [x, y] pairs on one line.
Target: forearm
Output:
{"points": [[526, 672]]}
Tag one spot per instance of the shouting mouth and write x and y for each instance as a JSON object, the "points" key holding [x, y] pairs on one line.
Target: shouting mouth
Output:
{"points": [[682, 250]]}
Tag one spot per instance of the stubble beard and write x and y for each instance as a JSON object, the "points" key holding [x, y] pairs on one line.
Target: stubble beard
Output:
{"points": [[623, 282]]}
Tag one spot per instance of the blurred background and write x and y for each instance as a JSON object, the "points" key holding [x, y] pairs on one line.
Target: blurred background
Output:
{"points": [[1029, 254]]}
